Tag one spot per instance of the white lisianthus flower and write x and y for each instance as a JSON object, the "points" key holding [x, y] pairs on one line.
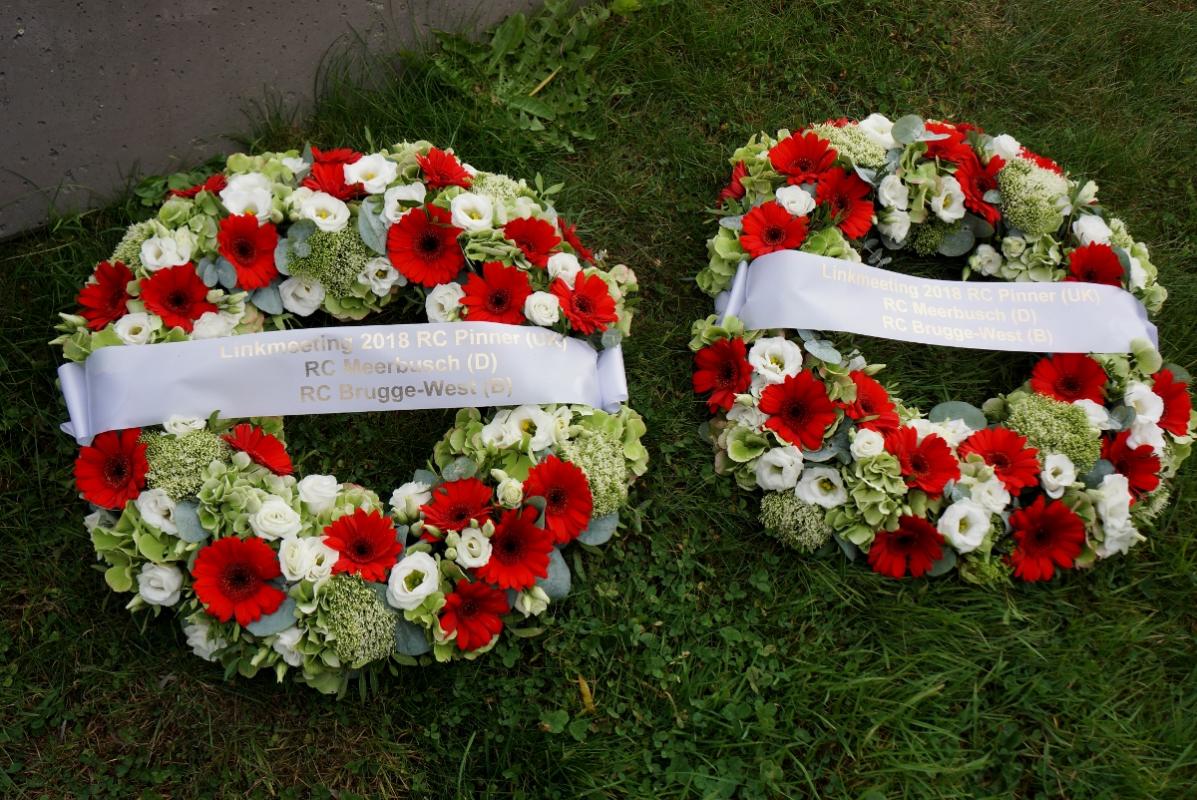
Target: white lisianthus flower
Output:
{"points": [[894, 224], [301, 297], [893, 193], [297, 165], [1098, 416], [167, 251], [1148, 405], [564, 266], [412, 580], [159, 584], [501, 432], [509, 493], [202, 640], [318, 492], [157, 508], [473, 548], [135, 328], [329, 213], [275, 520], [1090, 229], [306, 559], [779, 468], [1138, 275], [948, 204], [248, 194], [542, 308], [407, 499], [795, 200], [1113, 508], [284, 644], [98, 518], [532, 602], [1146, 432], [952, 431], [867, 443], [1013, 246], [750, 416], [879, 129], [396, 196], [214, 325], [537, 423], [180, 426], [380, 275], [443, 303], [1058, 474], [821, 486], [1005, 146], [472, 212], [992, 495], [1087, 194], [985, 260], [964, 524], [374, 172], [775, 358]]}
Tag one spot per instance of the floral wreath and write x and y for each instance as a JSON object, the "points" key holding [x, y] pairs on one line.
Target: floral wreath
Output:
{"points": [[1069, 468], [310, 575]]}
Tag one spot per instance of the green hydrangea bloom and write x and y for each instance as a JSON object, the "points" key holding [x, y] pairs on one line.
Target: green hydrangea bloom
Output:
{"points": [[177, 463], [852, 143], [876, 488], [234, 490], [128, 249], [1054, 427], [984, 570], [796, 524], [358, 622], [1030, 196], [600, 456], [335, 260]]}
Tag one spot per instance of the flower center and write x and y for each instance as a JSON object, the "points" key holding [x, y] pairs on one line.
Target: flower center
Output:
{"points": [[238, 581], [177, 300], [116, 470], [429, 244], [556, 497], [774, 234], [244, 249], [361, 550], [500, 300], [583, 305]]}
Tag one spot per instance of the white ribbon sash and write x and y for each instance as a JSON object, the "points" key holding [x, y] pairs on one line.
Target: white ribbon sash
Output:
{"points": [[790, 289], [336, 370]]}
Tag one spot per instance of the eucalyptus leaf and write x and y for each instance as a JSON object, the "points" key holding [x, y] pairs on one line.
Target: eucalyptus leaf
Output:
{"points": [[427, 477], [370, 227], [1122, 417], [823, 350], [277, 622], [600, 529], [806, 335], [557, 583], [1179, 373], [958, 409], [612, 337], [957, 242], [993, 196], [734, 223], [208, 272], [850, 550], [1095, 476], [908, 129], [410, 639], [869, 176], [462, 467], [186, 519], [268, 299], [979, 226], [226, 273], [824, 453], [944, 565]]}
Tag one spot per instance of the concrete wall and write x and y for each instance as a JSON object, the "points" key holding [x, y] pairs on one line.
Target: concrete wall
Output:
{"points": [[93, 92]]}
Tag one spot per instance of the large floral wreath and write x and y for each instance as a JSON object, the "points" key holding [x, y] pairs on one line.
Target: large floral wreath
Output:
{"points": [[312, 575], [1067, 469]]}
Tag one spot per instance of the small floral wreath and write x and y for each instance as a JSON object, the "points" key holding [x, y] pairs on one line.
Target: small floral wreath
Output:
{"points": [[1067, 469], [313, 576]]}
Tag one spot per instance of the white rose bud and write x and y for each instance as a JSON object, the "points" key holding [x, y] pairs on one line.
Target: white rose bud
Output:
{"points": [[201, 640], [894, 224], [795, 200], [1057, 475], [1005, 146], [879, 129], [443, 303], [318, 492], [542, 308], [166, 251], [275, 520], [1091, 229], [159, 584], [295, 558], [157, 508], [412, 580], [473, 548], [214, 325], [893, 192], [180, 425], [564, 266], [1148, 405], [301, 297], [249, 193], [991, 495], [532, 602], [985, 260], [285, 644], [407, 499], [509, 493], [1098, 416], [867, 444]]}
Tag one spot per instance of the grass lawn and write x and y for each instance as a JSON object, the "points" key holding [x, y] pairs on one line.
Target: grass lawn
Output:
{"points": [[721, 664]]}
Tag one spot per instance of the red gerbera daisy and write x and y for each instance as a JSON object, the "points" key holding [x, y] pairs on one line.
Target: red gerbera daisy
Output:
{"points": [[588, 306], [846, 198], [927, 464], [799, 409], [1047, 534], [975, 180], [722, 369], [1178, 405], [1015, 464], [735, 188], [367, 542], [423, 246], [872, 409], [232, 579], [570, 234], [103, 300], [474, 611], [327, 173], [1140, 465], [910, 550], [1095, 263], [177, 295], [519, 551], [951, 148], [497, 295], [249, 247], [442, 169], [1069, 377], [769, 227], [535, 237], [214, 184], [568, 502], [802, 158], [261, 447], [455, 503], [111, 470], [1042, 162]]}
